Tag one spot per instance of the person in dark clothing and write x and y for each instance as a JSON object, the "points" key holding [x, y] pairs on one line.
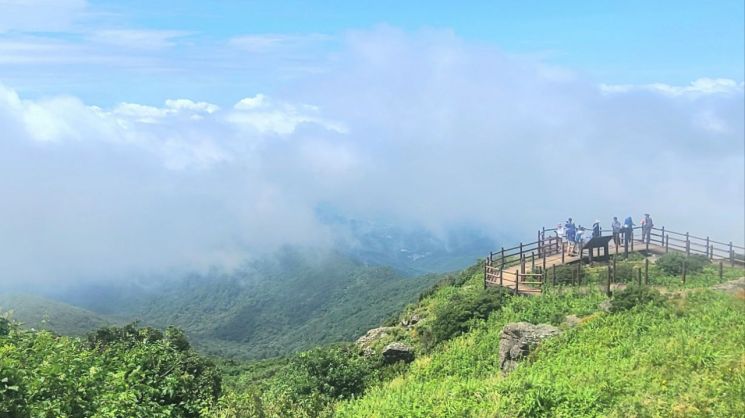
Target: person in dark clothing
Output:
{"points": [[628, 230], [596, 230]]}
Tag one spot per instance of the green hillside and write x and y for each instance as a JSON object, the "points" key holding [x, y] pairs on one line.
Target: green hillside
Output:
{"points": [[273, 306], [676, 353], [42, 313], [667, 349]]}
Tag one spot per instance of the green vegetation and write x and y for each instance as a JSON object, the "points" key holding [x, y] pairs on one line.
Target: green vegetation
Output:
{"points": [[117, 372], [672, 263], [667, 349], [42, 313], [683, 358], [461, 310], [269, 308], [633, 296]]}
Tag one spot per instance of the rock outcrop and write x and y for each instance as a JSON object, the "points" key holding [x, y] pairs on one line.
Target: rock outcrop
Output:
{"points": [[518, 340], [409, 322], [366, 341], [398, 351], [373, 335]]}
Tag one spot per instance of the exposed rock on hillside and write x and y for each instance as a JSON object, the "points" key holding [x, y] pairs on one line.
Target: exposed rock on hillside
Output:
{"points": [[518, 340], [398, 351], [366, 341], [409, 322]]}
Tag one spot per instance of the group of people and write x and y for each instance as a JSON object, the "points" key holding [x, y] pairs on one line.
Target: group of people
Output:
{"points": [[575, 236]]}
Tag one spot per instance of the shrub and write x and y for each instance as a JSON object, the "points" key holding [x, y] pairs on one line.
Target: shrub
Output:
{"points": [[635, 296], [458, 313], [4, 327], [121, 372], [672, 263]]}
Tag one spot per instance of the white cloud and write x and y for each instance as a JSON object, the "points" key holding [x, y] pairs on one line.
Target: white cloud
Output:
{"points": [[702, 86], [413, 128], [270, 42], [265, 116], [138, 38], [250, 102], [39, 15]]}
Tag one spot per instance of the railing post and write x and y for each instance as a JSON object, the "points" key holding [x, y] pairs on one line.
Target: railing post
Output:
{"points": [[731, 254], [721, 271], [711, 252], [553, 274], [662, 237], [538, 242], [502, 256], [685, 270], [667, 244], [614, 269], [639, 276], [544, 261], [532, 261], [563, 250], [607, 284], [517, 282], [521, 250], [485, 261], [501, 277], [626, 239], [707, 248], [688, 245], [646, 271], [522, 265]]}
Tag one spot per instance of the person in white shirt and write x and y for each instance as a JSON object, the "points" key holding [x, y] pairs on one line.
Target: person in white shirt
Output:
{"points": [[616, 225]]}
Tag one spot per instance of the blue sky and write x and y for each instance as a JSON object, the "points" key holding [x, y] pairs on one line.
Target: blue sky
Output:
{"points": [[614, 42], [142, 137]]}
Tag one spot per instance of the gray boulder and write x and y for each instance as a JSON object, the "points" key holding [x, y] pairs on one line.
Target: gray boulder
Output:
{"points": [[518, 340], [398, 351], [572, 321], [374, 335], [409, 322]]}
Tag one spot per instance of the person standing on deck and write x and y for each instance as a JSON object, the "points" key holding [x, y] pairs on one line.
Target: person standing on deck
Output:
{"points": [[571, 230], [579, 240], [616, 226], [561, 235], [647, 226], [628, 230]]}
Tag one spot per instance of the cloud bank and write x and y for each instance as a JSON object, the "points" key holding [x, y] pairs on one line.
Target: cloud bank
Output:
{"points": [[417, 129]]}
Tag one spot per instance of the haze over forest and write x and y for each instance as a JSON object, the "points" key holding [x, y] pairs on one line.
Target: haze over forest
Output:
{"points": [[410, 127]]}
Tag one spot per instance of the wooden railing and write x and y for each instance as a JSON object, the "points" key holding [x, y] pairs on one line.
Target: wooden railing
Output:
{"points": [[508, 266]]}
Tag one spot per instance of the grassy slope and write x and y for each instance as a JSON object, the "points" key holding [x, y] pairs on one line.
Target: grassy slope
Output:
{"points": [[684, 359], [41, 313]]}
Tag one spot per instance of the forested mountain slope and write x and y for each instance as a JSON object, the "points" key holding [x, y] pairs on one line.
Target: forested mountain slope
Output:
{"points": [[272, 306], [43, 313]]}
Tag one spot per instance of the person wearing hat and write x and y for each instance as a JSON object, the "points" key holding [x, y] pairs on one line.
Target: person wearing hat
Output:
{"points": [[647, 226], [596, 230]]}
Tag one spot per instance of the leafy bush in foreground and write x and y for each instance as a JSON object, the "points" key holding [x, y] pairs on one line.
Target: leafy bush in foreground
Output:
{"points": [[672, 263], [130, 372], [636, 296], [458, 314]]}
